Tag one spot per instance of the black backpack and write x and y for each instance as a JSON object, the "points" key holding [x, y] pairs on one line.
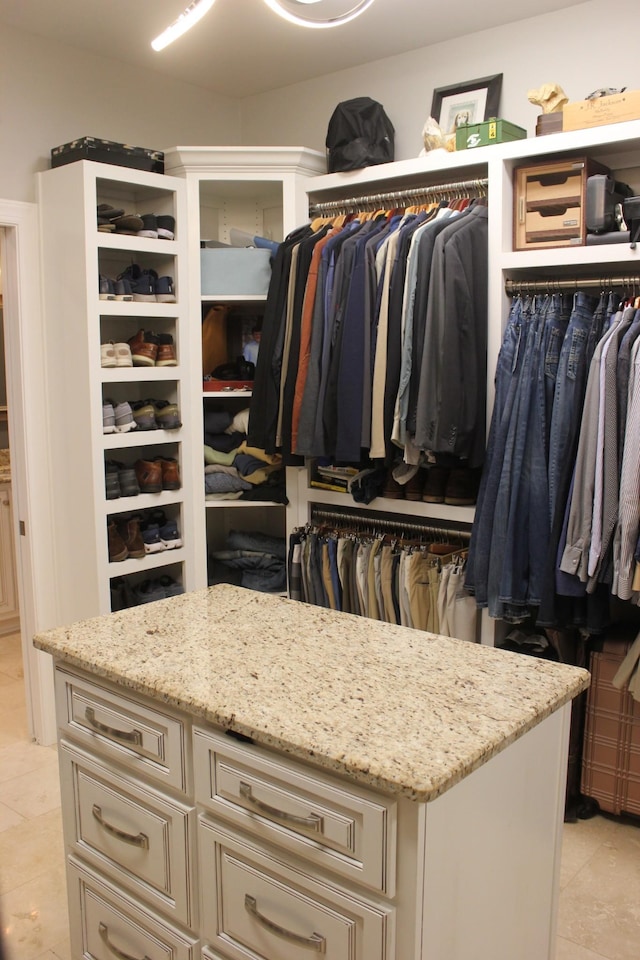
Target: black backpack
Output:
{"points": [[360, 134]]}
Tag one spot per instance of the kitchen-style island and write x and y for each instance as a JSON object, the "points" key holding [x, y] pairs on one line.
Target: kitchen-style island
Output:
{"points": [[246, 777]]}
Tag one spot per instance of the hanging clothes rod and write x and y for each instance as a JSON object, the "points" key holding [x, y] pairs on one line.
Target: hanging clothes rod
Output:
{"points": [[402, 198], [572, 285], [393, 525]]}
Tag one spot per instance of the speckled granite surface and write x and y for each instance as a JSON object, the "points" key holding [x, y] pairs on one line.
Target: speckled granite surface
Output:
{"points": [[400, 710], [5, 466]]}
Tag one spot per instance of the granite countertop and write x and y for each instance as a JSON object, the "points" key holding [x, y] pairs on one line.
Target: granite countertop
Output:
{"points": [[5, 466], [394, 708]]}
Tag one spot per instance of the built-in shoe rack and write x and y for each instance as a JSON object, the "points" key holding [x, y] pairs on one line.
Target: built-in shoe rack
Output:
{"points": [[260, 191], [124, 428]]}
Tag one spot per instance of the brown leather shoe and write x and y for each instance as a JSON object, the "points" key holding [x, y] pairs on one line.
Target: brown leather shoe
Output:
{"points": [[166, 350], [149, 475], [435, 485], [392, 489], [130, 532], [117, 547], [170, 473], [462, 487], [143, 352], [413, 488]]}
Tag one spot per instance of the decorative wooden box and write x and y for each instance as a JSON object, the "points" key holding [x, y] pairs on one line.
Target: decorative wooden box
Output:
{"points": [[550, 202]]}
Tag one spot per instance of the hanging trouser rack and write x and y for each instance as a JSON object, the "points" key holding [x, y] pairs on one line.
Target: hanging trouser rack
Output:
{"points": [[402, 198], [397, 526], [571, 285]]}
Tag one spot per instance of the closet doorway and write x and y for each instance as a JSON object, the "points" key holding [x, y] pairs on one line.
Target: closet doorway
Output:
{"points": [[27, 434]]}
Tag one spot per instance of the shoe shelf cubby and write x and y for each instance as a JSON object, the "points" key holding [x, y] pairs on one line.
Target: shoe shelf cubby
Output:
{"points": [[259, 191], [150, 276]]}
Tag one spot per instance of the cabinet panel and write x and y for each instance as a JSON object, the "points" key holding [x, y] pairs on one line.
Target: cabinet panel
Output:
{"points": [[106, 924], [152, 743], [340, 827], [256, 905], [130, 831], [8, 588]]}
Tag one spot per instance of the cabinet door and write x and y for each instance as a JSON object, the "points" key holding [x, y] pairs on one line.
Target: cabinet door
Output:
{"points": [[257, 905], [8, 591], [107, 923], [135, 834]]}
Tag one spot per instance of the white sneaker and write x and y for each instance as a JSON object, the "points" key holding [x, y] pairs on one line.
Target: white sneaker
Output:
{"points": [[123, 355], [108, 354]]}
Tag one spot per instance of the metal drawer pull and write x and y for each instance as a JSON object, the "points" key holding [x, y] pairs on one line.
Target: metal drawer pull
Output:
{"points": [[314, 942], [129, 736], [141, 840], [312, 822], [104, 936]]}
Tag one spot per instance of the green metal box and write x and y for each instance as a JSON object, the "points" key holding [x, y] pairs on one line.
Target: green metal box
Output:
{"points": [[470, 135]]}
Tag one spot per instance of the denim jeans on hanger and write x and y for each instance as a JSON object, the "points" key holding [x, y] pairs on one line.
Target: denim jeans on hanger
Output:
{"points": [[579, 342], [527, 531], [506, 513], [506, 381]]}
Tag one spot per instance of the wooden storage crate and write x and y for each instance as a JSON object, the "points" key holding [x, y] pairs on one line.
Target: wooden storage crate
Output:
{"points": [[611, 755], [550, 203]]}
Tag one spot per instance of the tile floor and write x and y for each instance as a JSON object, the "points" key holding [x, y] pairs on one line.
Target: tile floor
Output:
{"points": [[599, 916]]}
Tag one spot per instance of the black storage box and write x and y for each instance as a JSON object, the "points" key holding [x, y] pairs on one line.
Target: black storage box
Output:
{"points": [[106, 151]]}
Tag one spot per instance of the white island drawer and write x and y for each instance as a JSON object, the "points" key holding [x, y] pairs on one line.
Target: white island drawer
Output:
{"points": [[132, 832], [258, 907], [144, 738], [343, 827], [107, 925]]}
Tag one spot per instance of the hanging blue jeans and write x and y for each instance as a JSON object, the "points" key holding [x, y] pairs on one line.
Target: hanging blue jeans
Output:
{"points": [[506, 381], [579, 342]]}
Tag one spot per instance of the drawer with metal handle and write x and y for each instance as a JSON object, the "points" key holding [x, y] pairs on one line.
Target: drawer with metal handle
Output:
{"points": [[113, 927], [337, 824], [130, 831], [144, 738], [256, 905]]}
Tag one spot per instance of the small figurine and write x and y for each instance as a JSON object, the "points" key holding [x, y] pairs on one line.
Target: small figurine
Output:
{"points": [[605, 92], [434, 139], [550, 97]]}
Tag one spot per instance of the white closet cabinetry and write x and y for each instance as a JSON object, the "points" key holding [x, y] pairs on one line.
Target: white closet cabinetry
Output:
{"points": [[9, 619], [617, 146], [262, 192], [74, 255]]}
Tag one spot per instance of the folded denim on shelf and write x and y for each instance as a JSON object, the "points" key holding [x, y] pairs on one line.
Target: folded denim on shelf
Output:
{"points": [[230, 495], [221, 468], [224, 483], [257, 542]]}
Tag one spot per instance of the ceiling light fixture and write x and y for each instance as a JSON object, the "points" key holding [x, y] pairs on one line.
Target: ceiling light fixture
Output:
{"points": [[329, 13], [187, 19]]}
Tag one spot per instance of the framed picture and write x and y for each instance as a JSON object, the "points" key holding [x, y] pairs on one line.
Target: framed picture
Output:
{"points": [[469, 102]]}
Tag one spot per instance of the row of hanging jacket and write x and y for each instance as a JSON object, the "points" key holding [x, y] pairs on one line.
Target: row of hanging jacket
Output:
{"points": [[417, 582], [558, 511], [374, 337]]}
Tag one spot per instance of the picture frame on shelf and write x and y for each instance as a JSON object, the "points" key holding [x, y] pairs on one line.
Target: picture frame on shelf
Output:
{"points": [[469, 102]]}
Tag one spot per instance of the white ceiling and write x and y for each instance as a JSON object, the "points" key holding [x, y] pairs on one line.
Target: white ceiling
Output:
{"points": [[242, 48]]}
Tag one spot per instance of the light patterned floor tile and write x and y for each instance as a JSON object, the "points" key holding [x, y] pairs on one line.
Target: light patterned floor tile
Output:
{"points": [[11, 656], [9, 818], [28, 850], [566, 950], [33, 794], [600, 906], [580, 841], [20, 758], [34, 916]]}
